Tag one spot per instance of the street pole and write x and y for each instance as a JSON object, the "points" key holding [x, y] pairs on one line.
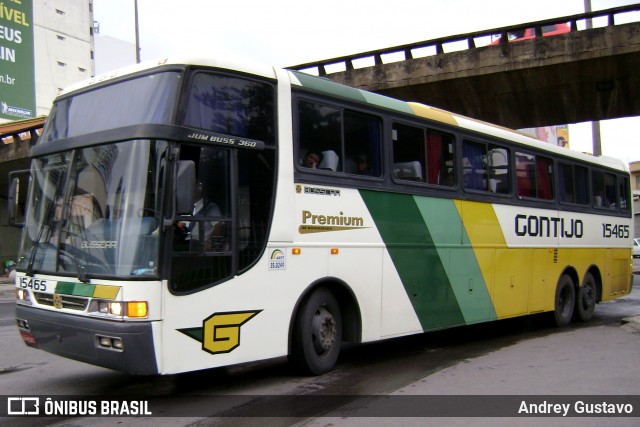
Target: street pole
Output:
{"points": [[595, 125], [137, 32]]}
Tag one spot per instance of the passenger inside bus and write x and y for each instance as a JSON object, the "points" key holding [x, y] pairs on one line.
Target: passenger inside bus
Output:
{"points": [[362, 164], [311, 159]]}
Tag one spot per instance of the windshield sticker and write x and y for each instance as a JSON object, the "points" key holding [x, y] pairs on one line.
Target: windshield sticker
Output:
{"points": [[220, 332], [278, 260]]}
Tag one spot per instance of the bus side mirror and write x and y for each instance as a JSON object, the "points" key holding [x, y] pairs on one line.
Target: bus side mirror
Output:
{"points": [[185, 187], [16, 190]]}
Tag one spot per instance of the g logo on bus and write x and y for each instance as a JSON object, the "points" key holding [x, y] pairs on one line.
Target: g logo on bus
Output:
{"points": [[57, 301], [220, 332]]}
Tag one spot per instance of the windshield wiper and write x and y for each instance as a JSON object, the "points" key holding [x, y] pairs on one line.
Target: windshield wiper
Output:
{"points": [[34, 250], [81, 274]]}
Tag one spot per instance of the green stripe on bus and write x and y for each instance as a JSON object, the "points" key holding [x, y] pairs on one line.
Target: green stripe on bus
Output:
{"points": [[65, 288], [347, 92], [415, 257], [456, 252], [76, 289]]}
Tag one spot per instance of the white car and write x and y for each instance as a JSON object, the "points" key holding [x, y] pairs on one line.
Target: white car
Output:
{"points": [[636, 248]]}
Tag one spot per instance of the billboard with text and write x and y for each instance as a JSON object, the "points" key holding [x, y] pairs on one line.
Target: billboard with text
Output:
{"points": [[17, 75]]}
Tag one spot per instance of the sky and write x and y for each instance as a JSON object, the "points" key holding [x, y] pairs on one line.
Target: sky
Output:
{"points": [[291, 32]]}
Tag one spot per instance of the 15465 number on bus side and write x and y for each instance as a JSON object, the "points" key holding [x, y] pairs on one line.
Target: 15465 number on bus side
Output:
{"points": [[615, 230]]}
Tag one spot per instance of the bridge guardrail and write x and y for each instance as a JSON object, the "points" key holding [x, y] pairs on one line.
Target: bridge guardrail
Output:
{"points": [[346, 63]]}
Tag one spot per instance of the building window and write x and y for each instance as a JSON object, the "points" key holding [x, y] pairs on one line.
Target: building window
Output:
{"points": [[60, 37], [82, 70], [60, 12], [61, 64]]}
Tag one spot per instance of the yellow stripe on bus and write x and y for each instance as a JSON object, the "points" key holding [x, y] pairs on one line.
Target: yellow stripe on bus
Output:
{"points": [[106, 292]]}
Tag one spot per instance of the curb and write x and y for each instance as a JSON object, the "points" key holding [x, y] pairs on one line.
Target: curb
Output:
{"points": [[631, 324]]}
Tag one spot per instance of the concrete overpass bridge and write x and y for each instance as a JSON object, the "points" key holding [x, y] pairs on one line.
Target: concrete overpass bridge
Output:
{"points": [[581, 75]]}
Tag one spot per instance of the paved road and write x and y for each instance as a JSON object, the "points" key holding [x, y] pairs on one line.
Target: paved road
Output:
{"points": [[508, 358]]}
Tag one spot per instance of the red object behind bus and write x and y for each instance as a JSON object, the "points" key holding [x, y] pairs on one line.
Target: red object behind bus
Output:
{"points": [[529, 33]]}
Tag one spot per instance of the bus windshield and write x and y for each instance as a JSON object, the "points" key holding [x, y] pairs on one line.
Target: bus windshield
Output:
{"points": [[144, 100], [96, 211]]}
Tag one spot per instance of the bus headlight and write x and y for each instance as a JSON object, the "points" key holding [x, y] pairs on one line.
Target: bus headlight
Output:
{"points": [[131, 309], [110, 307], [22, 295]]}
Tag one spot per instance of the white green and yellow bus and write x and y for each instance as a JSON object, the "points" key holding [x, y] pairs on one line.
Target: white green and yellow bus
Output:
{"points": [[186, 215]]}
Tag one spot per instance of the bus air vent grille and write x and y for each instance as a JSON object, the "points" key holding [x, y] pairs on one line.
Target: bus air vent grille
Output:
{"points": [[67, 301]]}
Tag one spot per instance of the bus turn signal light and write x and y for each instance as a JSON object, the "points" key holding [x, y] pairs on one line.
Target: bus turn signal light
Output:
{"points": [[137, 309]]}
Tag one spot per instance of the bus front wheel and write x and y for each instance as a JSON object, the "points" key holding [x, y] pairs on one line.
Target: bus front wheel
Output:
{"points": [[565, 301], [586, 300], [317, 333]]}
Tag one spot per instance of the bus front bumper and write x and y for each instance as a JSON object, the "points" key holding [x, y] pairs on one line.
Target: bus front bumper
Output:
{"points": [[123, 346]]}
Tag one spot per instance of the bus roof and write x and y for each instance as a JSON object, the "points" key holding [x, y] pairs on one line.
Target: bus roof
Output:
{"points": [[225, 62], [324, 85]]}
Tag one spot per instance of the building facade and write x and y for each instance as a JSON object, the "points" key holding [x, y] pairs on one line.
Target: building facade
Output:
{"points": [[62, 46], [45, 45]]}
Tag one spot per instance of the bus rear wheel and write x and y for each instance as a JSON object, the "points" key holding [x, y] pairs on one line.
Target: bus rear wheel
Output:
{"points": [[565, 301], [317, 333], [586, 300]]}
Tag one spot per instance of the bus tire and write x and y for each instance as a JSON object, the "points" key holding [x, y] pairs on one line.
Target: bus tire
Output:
{"points": [[586, 299], [317, 333], [565, 301]]}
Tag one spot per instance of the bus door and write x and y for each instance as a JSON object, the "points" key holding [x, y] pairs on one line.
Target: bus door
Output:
{"points": [[211, 248]]}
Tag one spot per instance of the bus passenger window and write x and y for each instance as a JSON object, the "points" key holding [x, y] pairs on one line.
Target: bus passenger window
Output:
{"points": [[623, 185], [408, 152], [534, 176], [604, 190], [566, 191], [339, 140], [423, 155], [362, 135], [485, 167], [573, 184], [498, 166], [582, 191], [319, 136], [473, 163], [440, 162]]}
